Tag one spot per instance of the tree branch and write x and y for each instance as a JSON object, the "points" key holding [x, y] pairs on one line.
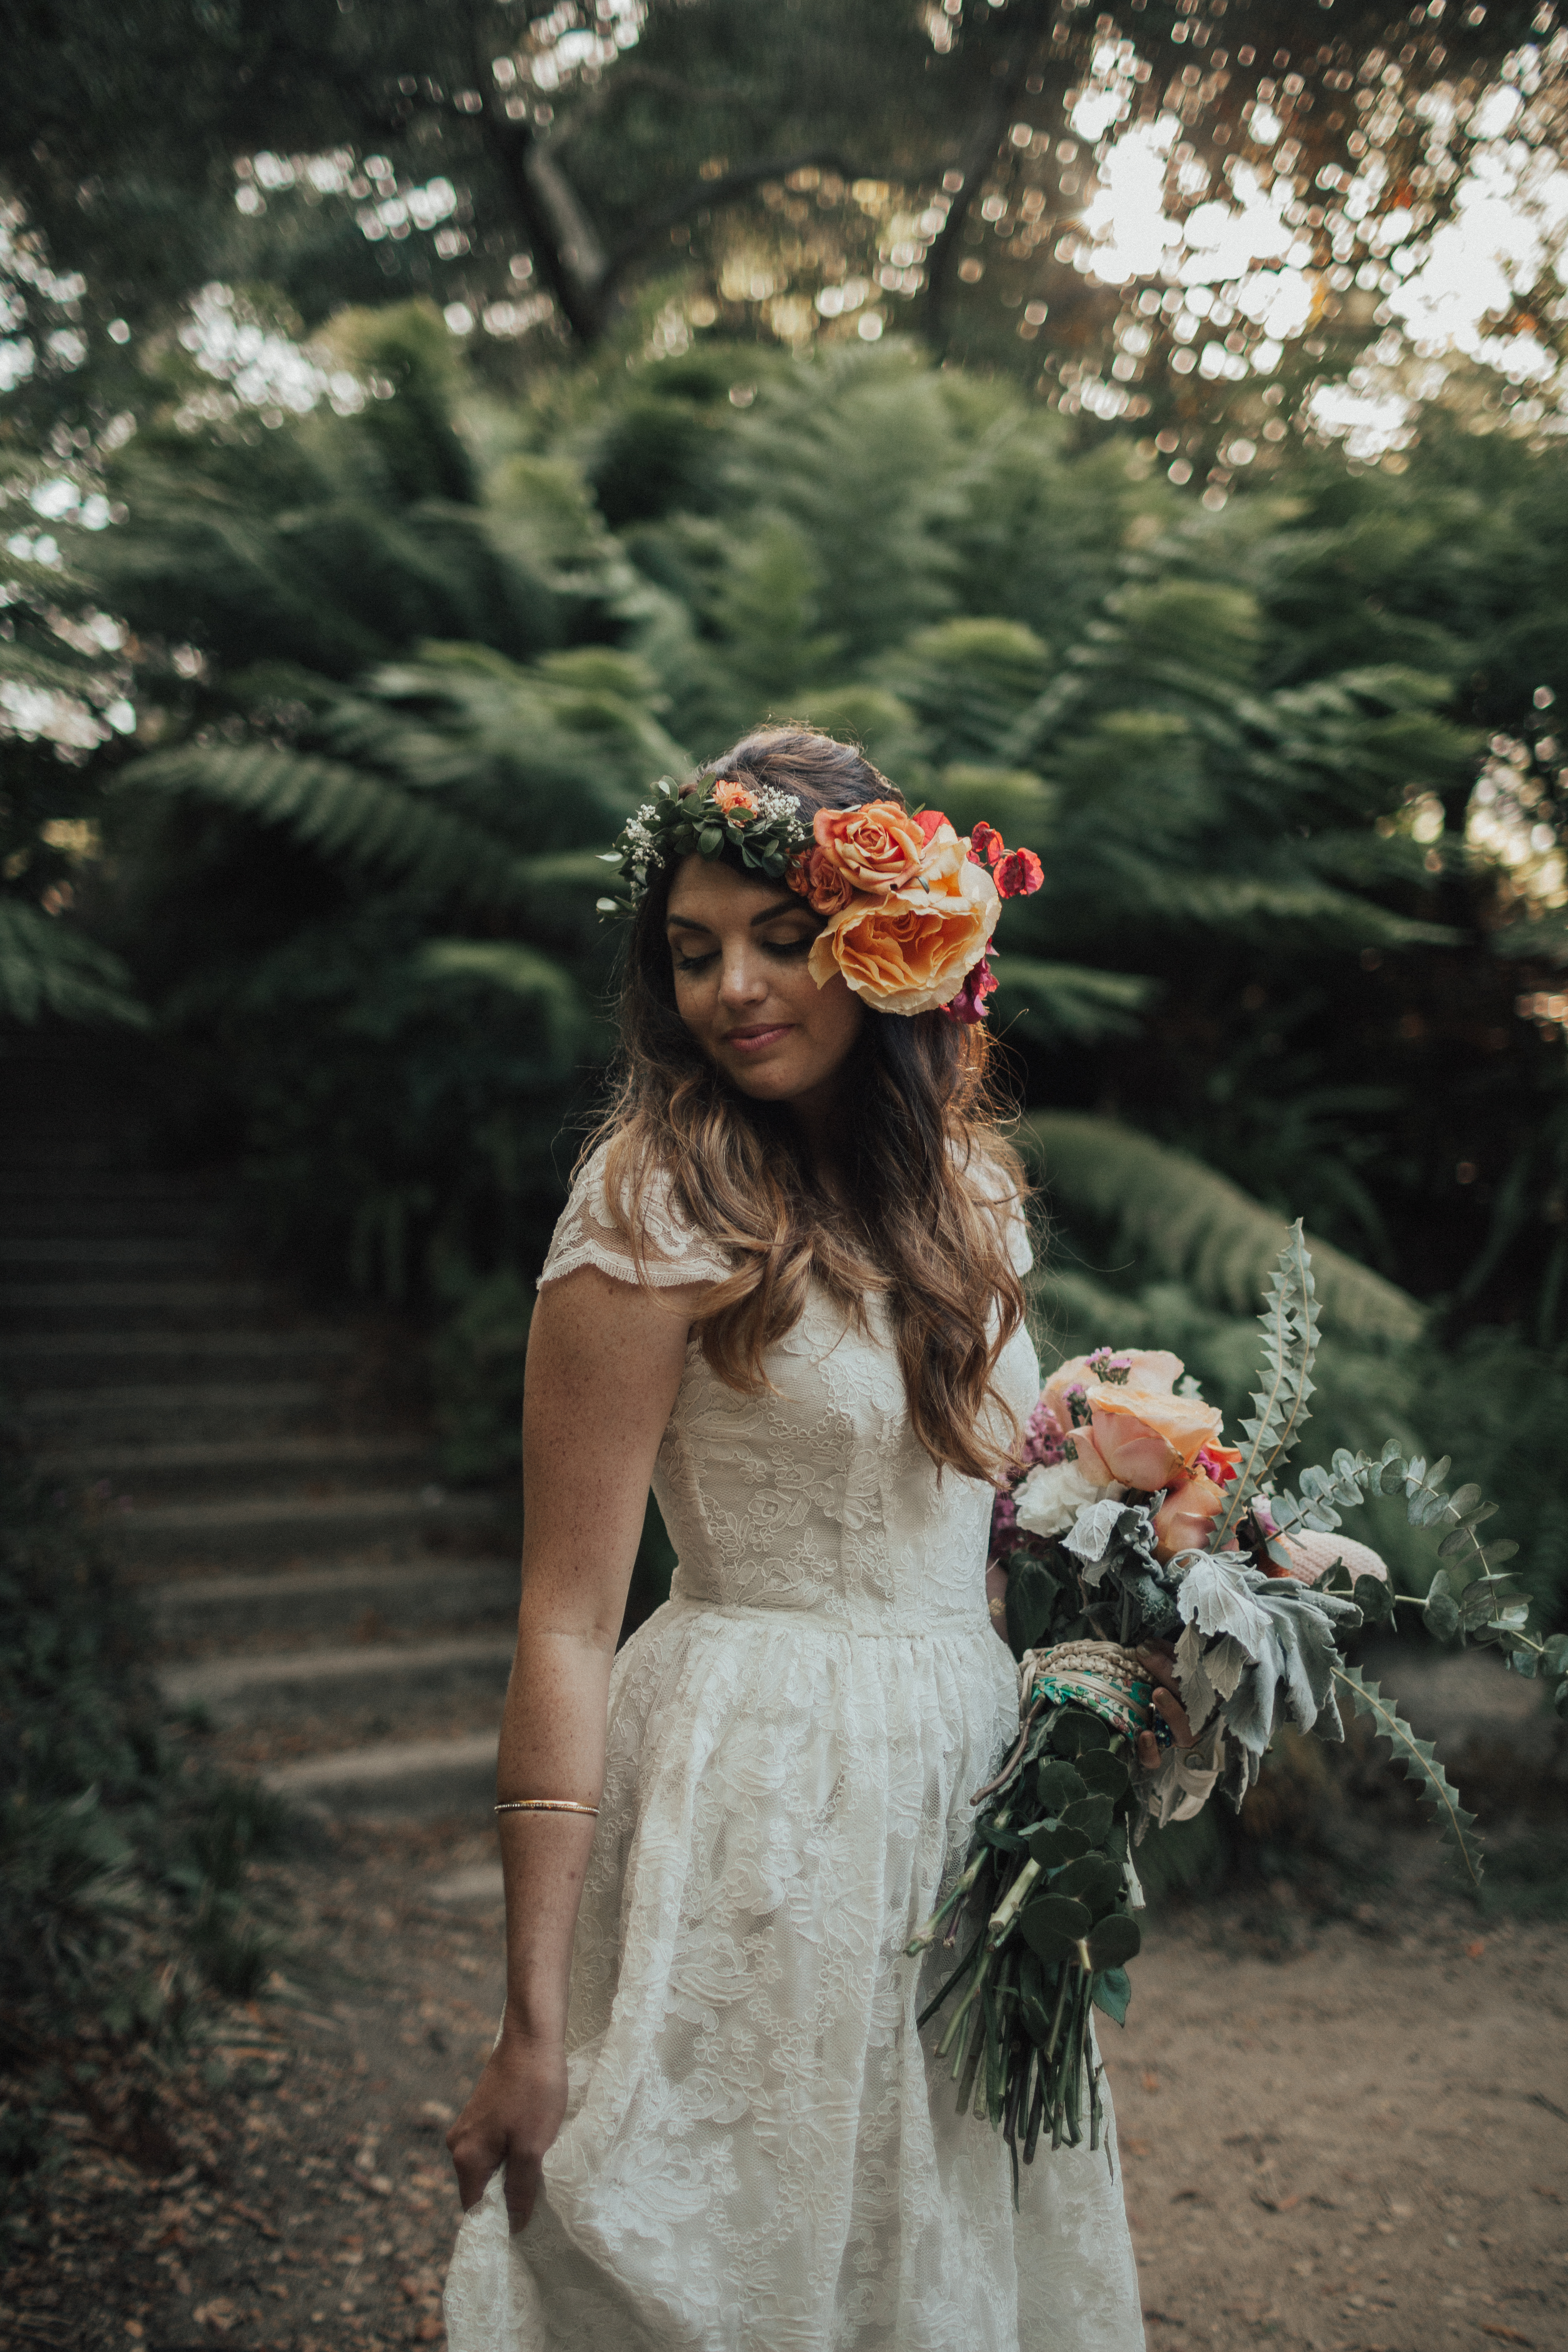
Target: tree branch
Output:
{"points": [[978, 155], [705, 195]]}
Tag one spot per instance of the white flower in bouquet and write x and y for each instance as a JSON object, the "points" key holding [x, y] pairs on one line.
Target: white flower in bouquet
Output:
{"points": [[1052, 1495]]}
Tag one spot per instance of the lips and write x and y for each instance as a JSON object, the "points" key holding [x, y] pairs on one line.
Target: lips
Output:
{"points": [[752, 1040]]}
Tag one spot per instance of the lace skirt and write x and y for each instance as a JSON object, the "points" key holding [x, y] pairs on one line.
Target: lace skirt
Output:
{"points": [[761, 2153]]}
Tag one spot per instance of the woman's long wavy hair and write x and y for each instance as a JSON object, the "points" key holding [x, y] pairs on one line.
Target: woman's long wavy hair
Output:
{"points": [[931, 1183]]}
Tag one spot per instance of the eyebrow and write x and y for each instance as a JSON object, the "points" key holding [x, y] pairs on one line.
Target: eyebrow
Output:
{"points": [[770, 914]]}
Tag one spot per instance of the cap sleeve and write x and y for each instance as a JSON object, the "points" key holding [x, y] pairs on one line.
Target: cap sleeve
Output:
{"points": [[587, 1234]]}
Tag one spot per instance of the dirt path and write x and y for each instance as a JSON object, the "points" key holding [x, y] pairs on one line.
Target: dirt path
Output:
{"points": [[1363, 2143]]}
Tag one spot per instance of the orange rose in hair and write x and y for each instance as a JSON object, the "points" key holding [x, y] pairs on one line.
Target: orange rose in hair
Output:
{"points": [[878, 848], [825, 886], [912, 951], [735, 801]]}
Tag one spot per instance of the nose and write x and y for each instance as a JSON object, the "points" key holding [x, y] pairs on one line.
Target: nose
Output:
{"points": [[743, 983]]}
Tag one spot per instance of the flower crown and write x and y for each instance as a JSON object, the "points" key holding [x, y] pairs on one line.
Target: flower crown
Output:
{"points": [[909, 906]]}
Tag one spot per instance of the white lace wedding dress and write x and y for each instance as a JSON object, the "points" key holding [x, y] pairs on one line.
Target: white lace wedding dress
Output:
{"points": [[761, 2155]]}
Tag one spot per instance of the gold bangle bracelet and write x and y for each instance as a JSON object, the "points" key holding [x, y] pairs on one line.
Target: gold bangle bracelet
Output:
{"points": [[546, 1805]]}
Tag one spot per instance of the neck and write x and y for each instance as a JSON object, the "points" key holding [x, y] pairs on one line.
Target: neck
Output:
{"points": [[819, 1115]]}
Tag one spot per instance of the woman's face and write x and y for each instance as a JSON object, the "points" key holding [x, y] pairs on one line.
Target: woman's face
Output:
{"points": [[739, 947]]}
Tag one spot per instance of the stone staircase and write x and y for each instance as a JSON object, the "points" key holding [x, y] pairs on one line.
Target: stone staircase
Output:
{"points": [[344, 1624]]}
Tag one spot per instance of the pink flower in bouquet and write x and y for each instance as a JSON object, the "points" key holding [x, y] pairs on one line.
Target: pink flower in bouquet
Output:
{"points": [[1186, 1518], [1083, 1376], [1149, 1437]]}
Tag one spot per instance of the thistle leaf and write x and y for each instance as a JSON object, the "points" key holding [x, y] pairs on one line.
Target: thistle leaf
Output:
{"points": [[1289, 1326], [1420, 1765]]}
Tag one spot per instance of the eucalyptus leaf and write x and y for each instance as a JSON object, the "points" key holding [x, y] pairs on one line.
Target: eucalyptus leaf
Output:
{"points": [[1106, 1774], [1053, 1847], [1092, 1815], [1114, 1941], [1052, 1924], [1112, 1992], [1057, 1785], [1096, 1881], [1441, 1614]]}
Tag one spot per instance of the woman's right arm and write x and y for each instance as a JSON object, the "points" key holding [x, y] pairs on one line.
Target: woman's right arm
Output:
{"points": [[605, 1359]]}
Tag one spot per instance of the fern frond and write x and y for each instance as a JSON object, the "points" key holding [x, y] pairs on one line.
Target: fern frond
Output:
{"points": [[343, 812], [46, 967], [1250, 907], [1419, 1763], [1289, 1324], [1183, 1221], [1049, 1000]]}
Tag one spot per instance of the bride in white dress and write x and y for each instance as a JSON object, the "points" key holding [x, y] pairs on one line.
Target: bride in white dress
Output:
{"points": [[787, 1289]]}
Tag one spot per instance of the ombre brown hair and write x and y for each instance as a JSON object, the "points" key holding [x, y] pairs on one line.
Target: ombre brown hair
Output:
{"points": [[932, 1184]]}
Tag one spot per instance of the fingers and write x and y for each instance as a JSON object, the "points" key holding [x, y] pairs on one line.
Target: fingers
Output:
{"points": [[1148, 1751], [1157, 1660], [1169, 1708], [523, 2177]]}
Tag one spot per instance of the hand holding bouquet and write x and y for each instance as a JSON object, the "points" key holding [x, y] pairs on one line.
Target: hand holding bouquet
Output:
{"points": [[1171, 1609]]}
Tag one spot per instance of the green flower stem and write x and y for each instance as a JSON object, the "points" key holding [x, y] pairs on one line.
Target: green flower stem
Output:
{"points": [[1006, 1911]]}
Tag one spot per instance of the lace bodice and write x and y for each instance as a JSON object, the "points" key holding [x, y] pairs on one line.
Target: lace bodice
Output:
{"points": [[761, 2152], [818, 1496]]}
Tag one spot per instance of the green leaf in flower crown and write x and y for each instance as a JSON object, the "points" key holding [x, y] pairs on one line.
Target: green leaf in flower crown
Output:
{"points": [[1092, 1815], [1052, 1924], [1115, 1941], [1112, 1992], [1419, 1762], [1289, 1326]]}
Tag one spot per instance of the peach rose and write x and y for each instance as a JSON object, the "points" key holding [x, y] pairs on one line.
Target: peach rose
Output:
{"points": [[1147, 1437], [912, 951], [735, 801], [825, 887], [1187, 1518], [879, 846], [1151, 1367]]}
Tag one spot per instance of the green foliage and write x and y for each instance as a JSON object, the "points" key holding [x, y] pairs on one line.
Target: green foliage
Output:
{"points": [[122, 1871], [48, 966], [1419, 1763], [1290, 1328]]}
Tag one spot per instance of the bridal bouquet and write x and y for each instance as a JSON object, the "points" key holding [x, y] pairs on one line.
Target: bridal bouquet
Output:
{"points": [[1134, 1537]]}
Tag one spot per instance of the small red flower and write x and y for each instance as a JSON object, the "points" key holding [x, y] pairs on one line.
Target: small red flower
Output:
{"points": [[1019, 874], [969, 1004], [929, 821], [986, 845]]}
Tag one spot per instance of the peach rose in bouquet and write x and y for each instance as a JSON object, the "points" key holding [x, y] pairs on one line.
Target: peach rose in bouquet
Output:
{"points": [[1152, 1368], [1147, 1437]]}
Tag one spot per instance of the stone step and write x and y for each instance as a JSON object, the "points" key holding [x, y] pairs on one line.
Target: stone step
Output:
{"points": [[100, 1359], [53, 1259], [366, 1598], [168, 1473], [256, 1529], [61, 1307], [216, 1408], [394, 1779], [263, 1686], [45, 1216]]}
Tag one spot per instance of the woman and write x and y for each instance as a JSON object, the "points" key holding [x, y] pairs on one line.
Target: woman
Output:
{"points": [[787, 1289]]}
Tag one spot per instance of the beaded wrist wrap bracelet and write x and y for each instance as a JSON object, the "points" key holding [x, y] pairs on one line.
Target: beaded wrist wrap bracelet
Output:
{"points": [[1107, 1680]]}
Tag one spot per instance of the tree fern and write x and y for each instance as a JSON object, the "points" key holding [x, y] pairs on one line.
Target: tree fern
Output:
{"points": [[343, 812], [1050, 1000], [48, 967], [1183, 1220]]}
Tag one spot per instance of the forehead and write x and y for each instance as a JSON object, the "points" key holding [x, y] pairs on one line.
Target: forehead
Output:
{"points": [[706, 890]]}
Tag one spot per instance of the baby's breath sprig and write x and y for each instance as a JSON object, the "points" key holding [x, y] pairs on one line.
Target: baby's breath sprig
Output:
{"points": [[765, 826]]}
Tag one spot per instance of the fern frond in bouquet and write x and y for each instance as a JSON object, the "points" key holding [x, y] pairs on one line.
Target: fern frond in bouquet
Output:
{"points": [[1132, 1534]]}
